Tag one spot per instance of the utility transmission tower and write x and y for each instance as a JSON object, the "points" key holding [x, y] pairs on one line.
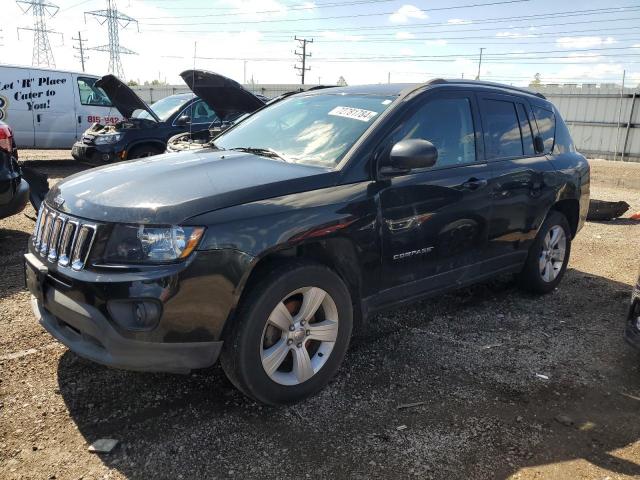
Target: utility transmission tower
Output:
{"points": [[82, 57], [115, 20], [42, 54], [302, 56]]}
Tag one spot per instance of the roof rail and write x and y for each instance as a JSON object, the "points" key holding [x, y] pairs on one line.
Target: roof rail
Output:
{"points": [[440, 81]]}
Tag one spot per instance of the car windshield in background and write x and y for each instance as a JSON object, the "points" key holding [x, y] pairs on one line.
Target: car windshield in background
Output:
{"points": [[314, 130], [164, 108]]}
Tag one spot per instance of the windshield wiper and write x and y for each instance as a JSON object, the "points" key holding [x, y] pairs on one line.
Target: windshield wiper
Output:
{"points": [[263, 152]]}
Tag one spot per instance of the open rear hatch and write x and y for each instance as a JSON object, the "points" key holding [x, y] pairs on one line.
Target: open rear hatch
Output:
{"points": [[122, 97]]}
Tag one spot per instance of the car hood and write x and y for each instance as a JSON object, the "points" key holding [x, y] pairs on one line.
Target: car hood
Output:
{"points": [[169, 189], [122, 97], [224, 95]]}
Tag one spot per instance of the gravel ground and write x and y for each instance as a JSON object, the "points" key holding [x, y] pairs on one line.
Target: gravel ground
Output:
{"points": [[504, 385]]}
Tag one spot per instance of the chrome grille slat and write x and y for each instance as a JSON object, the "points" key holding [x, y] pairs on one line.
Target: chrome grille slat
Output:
{"points": [[66, 243], [37, 231], [56, 230], [57, 237], [46, 233], [84, 240]]}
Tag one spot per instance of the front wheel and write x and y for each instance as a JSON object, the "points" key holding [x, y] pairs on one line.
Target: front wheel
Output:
{"points": [[143, 152], [548, 256], [290, 335]]}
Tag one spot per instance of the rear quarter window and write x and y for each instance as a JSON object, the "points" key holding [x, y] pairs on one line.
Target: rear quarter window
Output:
{"points": [[563, 141], [546, 121]]}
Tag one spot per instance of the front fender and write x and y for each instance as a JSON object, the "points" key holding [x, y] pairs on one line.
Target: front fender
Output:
{"points": [[266, 227]]}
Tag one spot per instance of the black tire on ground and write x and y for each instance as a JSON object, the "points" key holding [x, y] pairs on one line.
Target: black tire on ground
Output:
{"points": [[241, 354], [531, 277], [144, 151]]}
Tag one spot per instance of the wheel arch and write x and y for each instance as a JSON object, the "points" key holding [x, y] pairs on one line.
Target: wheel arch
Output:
{"points": [[148, 141], [335, 253], [570, 208]]}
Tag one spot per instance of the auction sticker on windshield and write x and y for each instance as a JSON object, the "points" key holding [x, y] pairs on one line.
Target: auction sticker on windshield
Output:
{"points": [[355, 113]]}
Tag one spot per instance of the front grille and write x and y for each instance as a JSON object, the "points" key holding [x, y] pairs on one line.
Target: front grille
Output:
{"points": [[62, 239]]}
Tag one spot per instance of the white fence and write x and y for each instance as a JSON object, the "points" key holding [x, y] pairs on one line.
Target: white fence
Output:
{"points": [[604, 121], [151, 94]]}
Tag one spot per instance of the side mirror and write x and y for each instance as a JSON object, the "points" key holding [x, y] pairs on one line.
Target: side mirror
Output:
{"points": [[538, 144], [183, 120], [410, 154]]}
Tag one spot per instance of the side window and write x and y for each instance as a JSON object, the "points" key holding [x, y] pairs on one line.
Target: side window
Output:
{"points": [[448, 124], [502, 130], [90, 94], [546, 126], [563, 141], [200, 112], [525, 129]]}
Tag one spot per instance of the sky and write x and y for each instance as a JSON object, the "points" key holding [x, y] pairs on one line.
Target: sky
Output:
{"points": [[364, 41]]}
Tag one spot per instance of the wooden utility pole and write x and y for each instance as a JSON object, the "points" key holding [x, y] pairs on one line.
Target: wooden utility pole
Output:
{"points": [[302, 56], [479, 63]]}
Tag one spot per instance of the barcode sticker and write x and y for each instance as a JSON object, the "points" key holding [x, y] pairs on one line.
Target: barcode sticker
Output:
{"points": [[354, 113]]}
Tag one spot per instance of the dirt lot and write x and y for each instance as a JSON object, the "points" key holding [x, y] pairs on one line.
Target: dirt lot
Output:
{"points": [[511, 386]]}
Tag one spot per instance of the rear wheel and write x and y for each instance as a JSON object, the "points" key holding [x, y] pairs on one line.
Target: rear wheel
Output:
{"points": [[548, 256], [290, 335]]}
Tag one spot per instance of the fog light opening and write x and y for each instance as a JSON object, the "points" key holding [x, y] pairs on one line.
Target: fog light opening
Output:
{"points": [[139, 314]]}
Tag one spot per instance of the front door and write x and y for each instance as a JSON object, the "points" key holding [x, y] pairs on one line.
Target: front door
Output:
{"points": [[93, 105], [435, 220]]}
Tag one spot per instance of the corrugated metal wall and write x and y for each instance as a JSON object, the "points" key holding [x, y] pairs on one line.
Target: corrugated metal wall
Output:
{"points": [[151, 94], [604, 120]]}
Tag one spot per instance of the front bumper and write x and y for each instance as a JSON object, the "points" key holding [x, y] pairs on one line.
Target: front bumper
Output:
{"points": [[96, 154], [632, 330], [72, 311], [17, 202]]}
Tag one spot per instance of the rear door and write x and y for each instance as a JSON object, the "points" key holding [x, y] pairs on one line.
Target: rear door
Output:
{"points": [[16, 106], [435, 220], [521, 188], [53, 109]]}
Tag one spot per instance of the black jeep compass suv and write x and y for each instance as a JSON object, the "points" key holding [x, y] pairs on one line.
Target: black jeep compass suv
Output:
{"points": [[306, 217]]}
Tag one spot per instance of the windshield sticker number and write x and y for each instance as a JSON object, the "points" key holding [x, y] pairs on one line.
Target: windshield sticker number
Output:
{"points": [[355, 113]]}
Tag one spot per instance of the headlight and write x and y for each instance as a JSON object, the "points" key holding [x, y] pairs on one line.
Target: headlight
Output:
{"points": [[107, 138], [144, 244]]}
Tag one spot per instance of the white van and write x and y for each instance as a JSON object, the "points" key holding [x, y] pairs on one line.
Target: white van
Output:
{"points": [[51, 108]]}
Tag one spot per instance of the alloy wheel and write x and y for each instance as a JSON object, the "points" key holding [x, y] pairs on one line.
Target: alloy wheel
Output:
{"points": [[552, 257], [299, 336]]}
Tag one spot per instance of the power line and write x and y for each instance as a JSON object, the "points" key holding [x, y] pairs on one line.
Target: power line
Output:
{"points": [[359, 29], [41, 9], [335, 17], [115, 20], [296, 7], [82, 55], [302, 56]]}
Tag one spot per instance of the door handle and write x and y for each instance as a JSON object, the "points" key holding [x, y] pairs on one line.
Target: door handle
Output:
{"points": [[79, 119], [475, 183], [38, 117]]}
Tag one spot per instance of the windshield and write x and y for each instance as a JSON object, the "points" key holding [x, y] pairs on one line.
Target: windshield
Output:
{"points": [[164, 108], [314, 129]]}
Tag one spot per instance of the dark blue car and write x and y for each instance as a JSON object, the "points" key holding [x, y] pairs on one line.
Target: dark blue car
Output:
{"points": [[216, 100]]}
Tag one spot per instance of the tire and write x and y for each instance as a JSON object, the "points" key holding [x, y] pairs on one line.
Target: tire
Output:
{"points": [[143, 151], [255, 344], [545, 266]]}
